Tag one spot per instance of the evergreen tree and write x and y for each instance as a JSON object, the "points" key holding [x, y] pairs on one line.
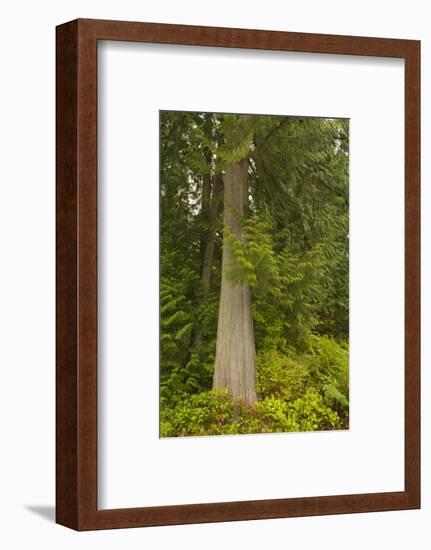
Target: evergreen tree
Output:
{"points": [[254, 245]]}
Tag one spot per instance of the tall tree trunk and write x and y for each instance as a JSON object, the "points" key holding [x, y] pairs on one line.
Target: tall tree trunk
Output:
{"points": [[235, 364], [205, 203], [207, 245], [211, 237]]}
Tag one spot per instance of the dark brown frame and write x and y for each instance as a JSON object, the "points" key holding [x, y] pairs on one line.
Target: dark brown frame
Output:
{"points": [[76, 375]]}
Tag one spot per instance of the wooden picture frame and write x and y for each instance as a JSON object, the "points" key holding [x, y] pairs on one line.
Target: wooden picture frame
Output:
{"points": [[76, 248]]}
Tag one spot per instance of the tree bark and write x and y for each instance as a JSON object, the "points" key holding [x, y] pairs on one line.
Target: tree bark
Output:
{"points": [[205, 212], [208, 244], [210, 240], [235, 364]]}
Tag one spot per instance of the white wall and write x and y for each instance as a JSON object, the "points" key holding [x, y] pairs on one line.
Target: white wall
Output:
{"points": [[27, 273]]}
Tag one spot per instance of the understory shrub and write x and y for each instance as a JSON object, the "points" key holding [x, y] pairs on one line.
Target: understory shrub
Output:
{"points": [[297, 393], [215, 413], [279, 375], [328, 365]]}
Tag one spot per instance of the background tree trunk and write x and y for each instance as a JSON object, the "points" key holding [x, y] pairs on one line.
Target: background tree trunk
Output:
{"points": [[210, 240], [235, 364], [207, 244]]}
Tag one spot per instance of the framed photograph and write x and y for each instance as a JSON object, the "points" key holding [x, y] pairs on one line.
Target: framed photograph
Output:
{"points": [[238, 276]]}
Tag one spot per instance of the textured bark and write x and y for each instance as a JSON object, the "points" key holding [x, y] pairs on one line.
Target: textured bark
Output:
{"points": [[235, 364], [210, 240], [208, 253], [206, 201]]}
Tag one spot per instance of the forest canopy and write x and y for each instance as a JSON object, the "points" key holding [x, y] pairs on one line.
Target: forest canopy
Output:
{"points": [[254, 273]]}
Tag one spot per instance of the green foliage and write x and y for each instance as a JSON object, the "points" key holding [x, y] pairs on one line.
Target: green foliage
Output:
{"points": [[215, 413], [307, 413], [279, 375], [254, 261], [201, 414], [328, 363], [293, 252], [238, 138], [298, 392]]}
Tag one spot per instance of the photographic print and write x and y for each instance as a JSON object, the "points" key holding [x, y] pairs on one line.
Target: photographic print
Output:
{"points": [[254, 274], [203, 308]]}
